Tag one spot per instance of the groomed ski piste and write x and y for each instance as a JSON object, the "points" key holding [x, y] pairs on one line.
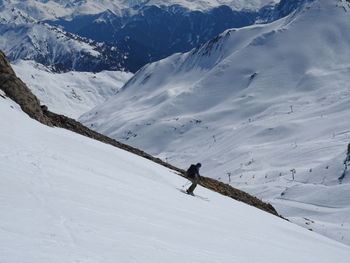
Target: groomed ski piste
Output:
{"points": [[68, 198]]}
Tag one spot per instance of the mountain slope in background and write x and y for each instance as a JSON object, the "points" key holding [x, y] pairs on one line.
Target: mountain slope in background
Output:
{"points": [[23, 37], [155, 32], [146, 31], [152, 31], [51, 10], [256, 106], [76, 199], [71, 93]]}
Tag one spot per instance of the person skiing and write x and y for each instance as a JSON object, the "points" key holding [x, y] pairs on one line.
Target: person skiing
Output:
{"points": [[193, 175], [347, 159], [346, 163]]}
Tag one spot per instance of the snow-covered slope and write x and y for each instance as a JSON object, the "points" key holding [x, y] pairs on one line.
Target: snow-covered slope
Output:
{"points": [[23, 37], [72, 93], [253, 105], [43, 9], [67, 198]]}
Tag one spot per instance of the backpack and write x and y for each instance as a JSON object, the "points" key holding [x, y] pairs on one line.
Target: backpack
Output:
{"points": [[192, 171]]}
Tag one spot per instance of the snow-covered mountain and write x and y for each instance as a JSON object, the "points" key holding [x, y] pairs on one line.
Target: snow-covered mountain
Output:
{"points": [[147, 31], [68, 198], [53, 9], [23, 37], [271, 13], [154, 32], [264, 108], [139, 32], [71, 93]]}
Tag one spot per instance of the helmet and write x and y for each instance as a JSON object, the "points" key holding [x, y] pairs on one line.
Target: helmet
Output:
{"points": [[198, 165]]}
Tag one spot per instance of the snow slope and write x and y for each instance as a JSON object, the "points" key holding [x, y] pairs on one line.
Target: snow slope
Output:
{"points": [[67, 198], [253, 105], [72, 93]]}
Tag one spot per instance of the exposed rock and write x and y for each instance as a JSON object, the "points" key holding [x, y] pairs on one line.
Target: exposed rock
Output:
{"points": [[15, 89]]}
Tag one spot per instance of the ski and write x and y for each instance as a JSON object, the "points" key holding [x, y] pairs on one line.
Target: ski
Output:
{"points": [[194, 195]]}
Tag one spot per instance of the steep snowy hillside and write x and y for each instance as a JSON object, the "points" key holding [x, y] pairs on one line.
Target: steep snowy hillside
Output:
{"points": [[23, 37], [256, 106], [67, 198], [72, 93]]}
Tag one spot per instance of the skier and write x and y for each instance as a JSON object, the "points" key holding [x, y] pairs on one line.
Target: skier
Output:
{"points": [[193, 175], [346, 163], [347, 159]]}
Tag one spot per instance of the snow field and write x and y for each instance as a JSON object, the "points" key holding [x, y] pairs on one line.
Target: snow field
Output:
{"points": [[67, 198], [71, 93]]}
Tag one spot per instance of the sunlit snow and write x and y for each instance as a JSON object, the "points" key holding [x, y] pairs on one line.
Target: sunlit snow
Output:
{"points": [[68, 198]]}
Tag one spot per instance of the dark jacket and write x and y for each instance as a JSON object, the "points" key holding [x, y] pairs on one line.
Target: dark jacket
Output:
{"points": [[347, 159], [193, 171]]}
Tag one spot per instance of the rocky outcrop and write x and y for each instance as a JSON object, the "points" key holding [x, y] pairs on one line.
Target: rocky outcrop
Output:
{"points": [[15, 89]]}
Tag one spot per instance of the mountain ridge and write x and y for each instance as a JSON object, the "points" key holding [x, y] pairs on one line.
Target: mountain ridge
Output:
{"points": [[145, 31], [23, 37], [54, 9]]}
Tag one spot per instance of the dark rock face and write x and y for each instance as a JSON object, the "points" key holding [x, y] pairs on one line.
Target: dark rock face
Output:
{"points": [[15, 89]]}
